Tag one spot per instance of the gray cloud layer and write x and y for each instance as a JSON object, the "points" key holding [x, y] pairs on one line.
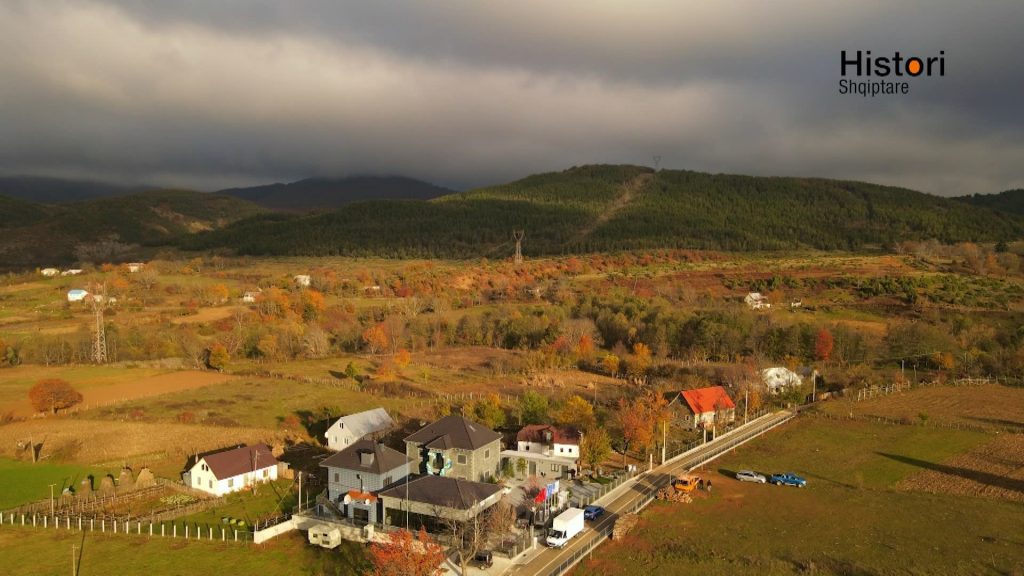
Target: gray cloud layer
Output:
{"points": [[207, 94]]}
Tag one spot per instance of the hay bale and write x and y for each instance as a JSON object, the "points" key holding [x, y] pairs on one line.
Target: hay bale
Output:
{"points": [[145, 479], [107, 484], [85, 486], [125, 479]]}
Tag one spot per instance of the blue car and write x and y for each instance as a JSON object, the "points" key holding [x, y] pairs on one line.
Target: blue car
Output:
{"points": [[592, 512], [787, 479]]}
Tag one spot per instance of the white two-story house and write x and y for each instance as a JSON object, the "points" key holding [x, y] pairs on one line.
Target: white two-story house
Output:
{"points": [[544, 450]]}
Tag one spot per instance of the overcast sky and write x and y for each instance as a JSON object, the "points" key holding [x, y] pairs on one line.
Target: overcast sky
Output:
{"points": [[215, 93]]}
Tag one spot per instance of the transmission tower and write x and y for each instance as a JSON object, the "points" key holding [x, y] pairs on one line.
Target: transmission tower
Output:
{"points": [[518, 236], [657, 160], [99, 343]]}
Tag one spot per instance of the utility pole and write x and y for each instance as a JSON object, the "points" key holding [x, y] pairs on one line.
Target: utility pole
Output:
{"points": [[51, 498], [664, 438], [746, 404], [300, 490], [518, 236], [99, 344], [74, 563]]}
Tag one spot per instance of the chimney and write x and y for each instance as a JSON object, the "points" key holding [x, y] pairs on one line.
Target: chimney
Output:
{"points": [[366, 458]]}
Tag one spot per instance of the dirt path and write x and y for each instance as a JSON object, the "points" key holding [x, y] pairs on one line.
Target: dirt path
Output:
{"points": [[628, 192]]}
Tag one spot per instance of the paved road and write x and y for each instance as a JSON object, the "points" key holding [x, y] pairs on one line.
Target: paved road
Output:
{"points": [[625, 499]]}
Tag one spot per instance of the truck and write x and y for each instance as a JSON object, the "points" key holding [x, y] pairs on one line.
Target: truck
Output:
{"points": [[686, 482], [565, 527]]}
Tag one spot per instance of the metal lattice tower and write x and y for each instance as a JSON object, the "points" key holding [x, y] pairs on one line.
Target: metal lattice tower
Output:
{"points": [[657, 160], [99, 343], [518, 236]]}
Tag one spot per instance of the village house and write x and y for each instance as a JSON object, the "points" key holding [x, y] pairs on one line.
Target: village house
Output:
{"points": [[302, 280], [427, 499], [250, 296], [757, 301], [49, 272], [548, 451], [456, 447], [134, 267], [232, 469], [704, 407], [71, 272], [348, 429], [77, 295], [357, 473]]}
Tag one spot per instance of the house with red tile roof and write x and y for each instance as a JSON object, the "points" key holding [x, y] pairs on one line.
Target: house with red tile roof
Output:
{"points": [[232, 469], [704, 407]]}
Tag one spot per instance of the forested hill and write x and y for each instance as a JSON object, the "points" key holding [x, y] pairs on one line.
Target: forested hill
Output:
{"points": [[608, 207], [40, 234], [1011, 201], [320, 193]]}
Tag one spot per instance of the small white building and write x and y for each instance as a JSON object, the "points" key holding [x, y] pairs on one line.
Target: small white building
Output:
{"points": [[134, 267], [757, 301], [302, 280], [349, 429], [77, 295], [780, 378], [71, 272], [251, 296], [231, 470], [49, 272]]}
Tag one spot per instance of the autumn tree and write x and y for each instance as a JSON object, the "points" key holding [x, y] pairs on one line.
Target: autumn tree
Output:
{"points": [[641, 419], [576, 412], [641, 359], [488, 411], [218, 357], [610, 363], [585, 347], [823, 344], [376, 338], [402, 358], [595, 447], [403, 554], [53, 394]]}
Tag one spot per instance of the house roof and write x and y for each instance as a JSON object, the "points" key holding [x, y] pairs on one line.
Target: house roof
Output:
{"points": [[703, 400], [442, 491], [362, 423], [454, 432], [536, 433], [355, 457], [235, 461]]}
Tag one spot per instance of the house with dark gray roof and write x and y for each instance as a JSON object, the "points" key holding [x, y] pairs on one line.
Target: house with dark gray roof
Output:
{"points": [[429, 497], [232, 469], [457, 448], [355, 474], [349, 429]]}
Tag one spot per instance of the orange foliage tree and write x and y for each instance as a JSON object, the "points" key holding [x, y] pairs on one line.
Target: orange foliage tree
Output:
{"points": [[53, 394], [402, 554], [376, 338], [823, 344]]}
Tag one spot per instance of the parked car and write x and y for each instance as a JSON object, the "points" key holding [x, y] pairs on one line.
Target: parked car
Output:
{"points": [[787, 479], [750, 476], [485, 558], [592, 512]]}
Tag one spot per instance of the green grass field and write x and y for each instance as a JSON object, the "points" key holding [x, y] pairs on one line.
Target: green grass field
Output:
{"points": [[270, 500], [24, 482], [849, 520], [31, 551]]}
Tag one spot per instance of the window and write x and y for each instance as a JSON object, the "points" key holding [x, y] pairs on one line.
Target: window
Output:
{"points": [[561, 449], [346, 441], [231, 482], [266, 472], [462, 458], [387, 480], [337, 477], [556, 467], [487, 453], [211, 484]]}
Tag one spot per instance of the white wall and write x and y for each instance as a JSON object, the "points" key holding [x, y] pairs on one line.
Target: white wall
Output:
{"points": [[566, 450]]}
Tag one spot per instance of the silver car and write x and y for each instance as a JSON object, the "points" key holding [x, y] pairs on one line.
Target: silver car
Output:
{"points": [[750, 476]]}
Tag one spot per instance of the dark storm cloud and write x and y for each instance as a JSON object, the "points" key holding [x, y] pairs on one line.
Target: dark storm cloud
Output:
{"points": [[463, 93]]}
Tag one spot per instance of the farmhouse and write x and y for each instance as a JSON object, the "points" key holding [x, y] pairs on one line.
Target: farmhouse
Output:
{"points": [[426, 498], [49, 272], [71, 272], [705, 407], [250, 296], [77, 295], [303, 280], [757, 301], [232, 469], [454, 446], [134, 267], [778, 379], [351, 428], [548, 451], [355, 474]]}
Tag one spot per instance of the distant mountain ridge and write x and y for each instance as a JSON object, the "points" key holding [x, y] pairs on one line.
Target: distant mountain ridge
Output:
{"points": [[330, 193], [1010, 201], [616, 207]]}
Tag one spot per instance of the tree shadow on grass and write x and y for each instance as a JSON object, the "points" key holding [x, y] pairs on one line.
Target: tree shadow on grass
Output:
{"points": [[976, 475]]}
